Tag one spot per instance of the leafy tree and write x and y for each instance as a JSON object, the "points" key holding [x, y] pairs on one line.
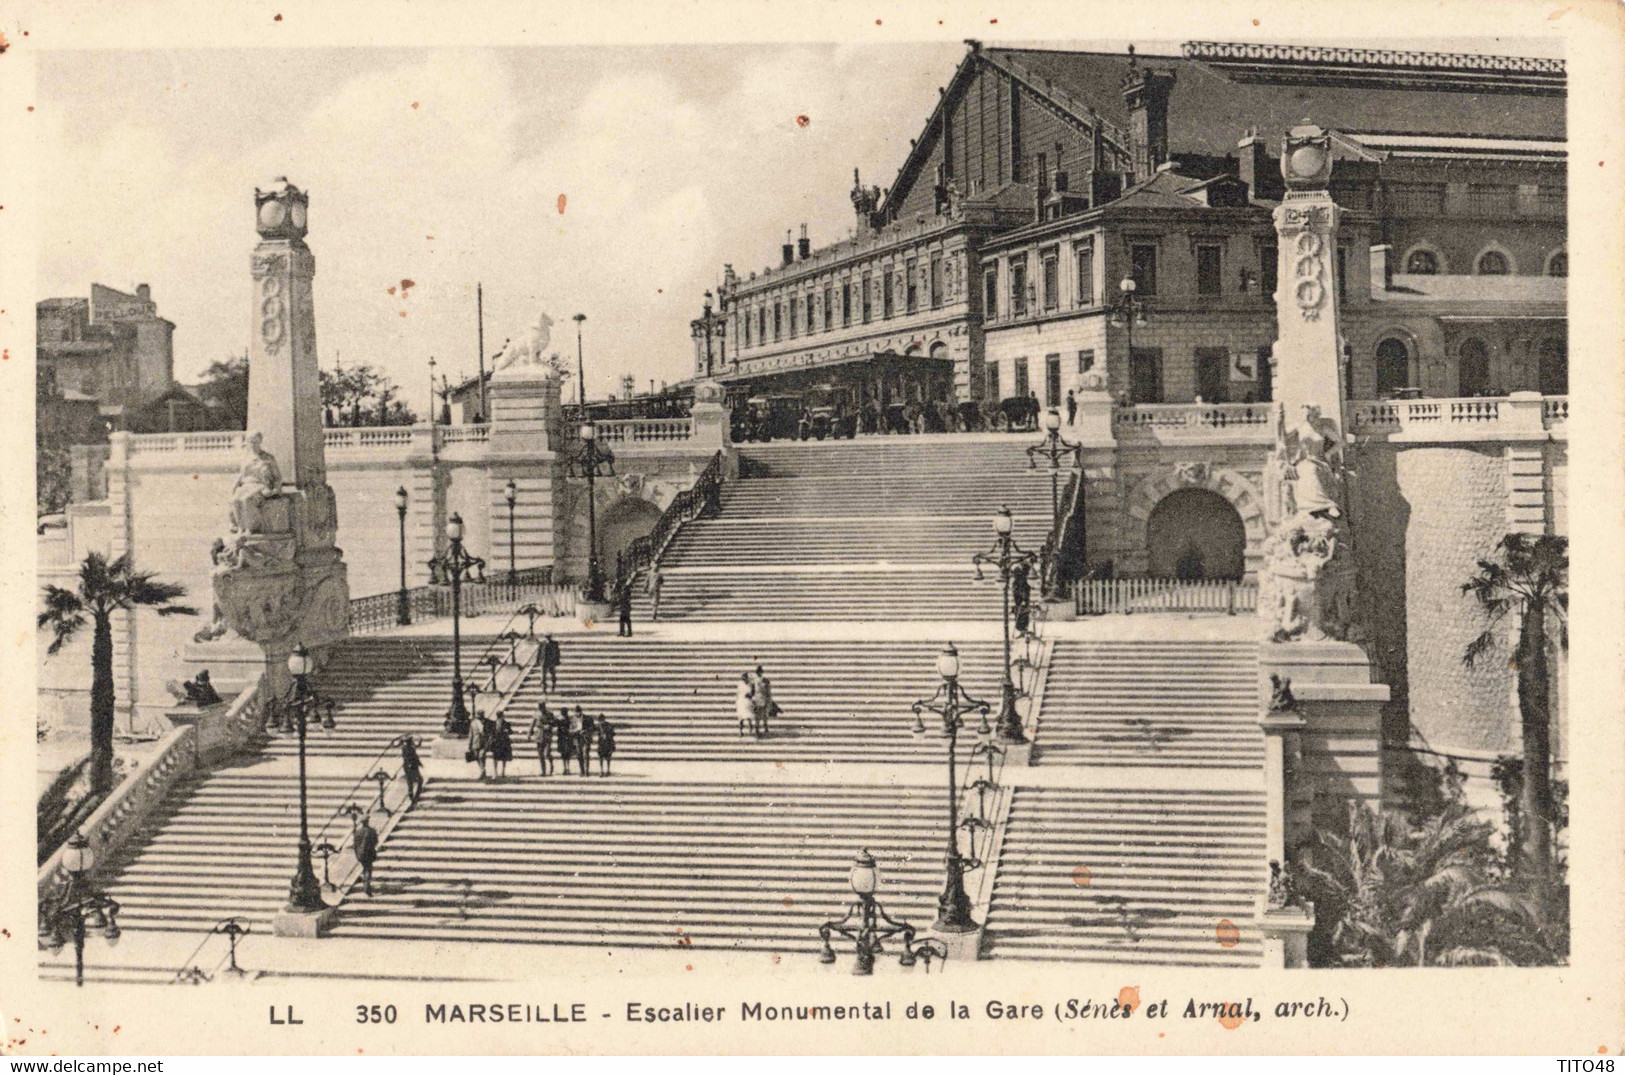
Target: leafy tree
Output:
{"points": [[104, 588], [362, 396], [1528, 579], [224, 389], [54, 432], [1388, 894]]}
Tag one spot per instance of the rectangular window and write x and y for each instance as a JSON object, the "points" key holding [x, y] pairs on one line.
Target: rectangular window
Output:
{"points": [[1020, 388], [793, 317], [1145, 375], [1084, 255], [1213, 374], [1416, 199], [936, 283], [1086, 361], [1052, 380], [868, 291], [885, 294], [990, 293], [1143, 258], [761, 325], [846, 302], [1052, 279], [992, 390], [1018, 287], [911, 287], [829, 307], [747, 328], [1209, 269], [1268, 263], [1491, 200], [778, 320]]}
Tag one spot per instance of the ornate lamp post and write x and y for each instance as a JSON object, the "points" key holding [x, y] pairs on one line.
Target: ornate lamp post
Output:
{"points": [[301, 705], [1128, 310], [1053, 448], [591, 462], [78, 907], [951, 703], [1006, 556], [455, 565], [403, 603], [511, 494], [711, 325], [867, 933]]}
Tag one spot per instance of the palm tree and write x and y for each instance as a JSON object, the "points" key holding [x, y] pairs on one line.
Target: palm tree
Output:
{"points": [[104, 588], [1528, 578], [1390, 895]]}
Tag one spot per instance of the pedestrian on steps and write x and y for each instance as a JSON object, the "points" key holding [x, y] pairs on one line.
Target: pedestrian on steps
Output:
{"points": [[765, 706], [541, 732], [480, 733], [1021, 597], [606, 744], [365, 846], [411, 768], [501, 748], [583, 741], [550, 663], [623, 605], [745, 704], [653, 586], [566, 725]]}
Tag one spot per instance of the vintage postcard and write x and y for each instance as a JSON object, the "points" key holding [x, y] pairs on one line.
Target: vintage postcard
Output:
{"points": [[856, 529]]}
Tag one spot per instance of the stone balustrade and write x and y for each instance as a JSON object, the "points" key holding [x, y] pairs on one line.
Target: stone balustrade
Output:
{"points": [[622, 431], [1479, 418], [340, 440], [1193, 421]]}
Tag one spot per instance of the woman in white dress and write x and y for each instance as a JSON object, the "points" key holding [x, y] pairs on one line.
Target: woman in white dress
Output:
{"points": [[745, 703]]}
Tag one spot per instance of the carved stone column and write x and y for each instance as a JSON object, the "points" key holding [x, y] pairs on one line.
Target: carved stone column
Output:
{"points": [[279, 580]]}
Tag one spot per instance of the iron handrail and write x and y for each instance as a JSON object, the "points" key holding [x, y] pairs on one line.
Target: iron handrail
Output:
{"points": [[701, 498]]}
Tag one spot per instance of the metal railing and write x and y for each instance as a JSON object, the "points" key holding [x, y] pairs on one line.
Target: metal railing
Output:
{"points": [[1127, 595], [702, 498], [380, 612], [1053, 580]]}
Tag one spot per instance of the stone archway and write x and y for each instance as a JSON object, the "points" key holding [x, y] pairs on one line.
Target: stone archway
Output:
{"points": [[1231, 486], [623, 522], [1195, 534]]}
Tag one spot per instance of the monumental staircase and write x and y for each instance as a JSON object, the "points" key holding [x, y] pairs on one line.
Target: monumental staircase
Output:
{"points": [[1137, 834]]}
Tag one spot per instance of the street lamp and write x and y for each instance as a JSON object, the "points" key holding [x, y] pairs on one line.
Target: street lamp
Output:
{"points": [[454, 566], [710, 325], [234, 929], [866, 933], [591, 462], [1007, 557], [65, 917], [403, 603], [511, 494], [300, 705], [951, 703], [1128, 310], [1054, 448]]}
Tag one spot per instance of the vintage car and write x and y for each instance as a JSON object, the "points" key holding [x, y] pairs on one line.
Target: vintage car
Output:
{"points": [[827, 413]]}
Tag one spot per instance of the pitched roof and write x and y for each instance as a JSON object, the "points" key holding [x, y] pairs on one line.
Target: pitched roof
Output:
{"points": [[1209, 109]]}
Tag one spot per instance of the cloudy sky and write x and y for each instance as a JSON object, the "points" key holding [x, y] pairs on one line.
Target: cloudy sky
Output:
{"points": [[446, 167], [449, 167]]}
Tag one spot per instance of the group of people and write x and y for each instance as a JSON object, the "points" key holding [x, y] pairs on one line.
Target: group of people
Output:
{"points": [[576, 734], [753, 703]]}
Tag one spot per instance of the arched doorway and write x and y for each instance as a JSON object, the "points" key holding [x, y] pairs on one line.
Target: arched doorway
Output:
{"points": [[1196, 534], [622, 523]]}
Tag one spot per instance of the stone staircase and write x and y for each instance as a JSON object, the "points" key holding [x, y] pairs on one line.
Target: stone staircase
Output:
{"points": [[1168, 703], [1130, 876], [872, 530], [619, 863]]}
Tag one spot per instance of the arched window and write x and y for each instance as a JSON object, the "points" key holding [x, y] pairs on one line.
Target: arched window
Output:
{"points": [[1558, 264], [1473, 372], [1393, 367], [1422, 263], [1554, 367], [1492, 263]]}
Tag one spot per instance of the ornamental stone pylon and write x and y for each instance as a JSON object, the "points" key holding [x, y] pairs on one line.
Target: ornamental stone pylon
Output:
{"points": [[1306, 587], [279, 581]]}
